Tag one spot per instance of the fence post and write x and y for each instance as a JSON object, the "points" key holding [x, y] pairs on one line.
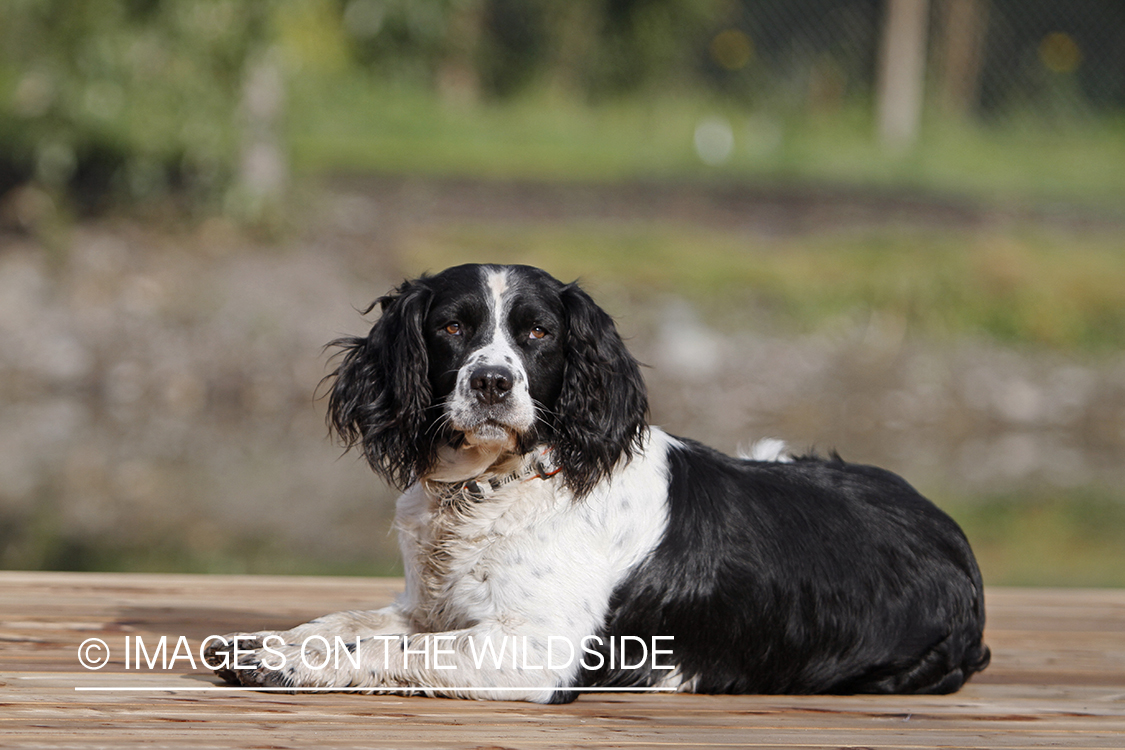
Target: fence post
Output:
{"points": [[263, 168], [902, 71], [962, 26]]}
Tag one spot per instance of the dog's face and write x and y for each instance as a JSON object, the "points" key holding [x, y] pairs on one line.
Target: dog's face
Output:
{"points": [[495, 340], [494, 358]]}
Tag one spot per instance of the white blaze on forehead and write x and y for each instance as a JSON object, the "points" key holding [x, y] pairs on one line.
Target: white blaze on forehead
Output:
{"points": [[497, 282]]}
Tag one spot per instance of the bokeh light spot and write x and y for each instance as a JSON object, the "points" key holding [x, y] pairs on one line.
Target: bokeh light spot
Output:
{"points": [[1059, 53], [714, 140], [731, 49]]}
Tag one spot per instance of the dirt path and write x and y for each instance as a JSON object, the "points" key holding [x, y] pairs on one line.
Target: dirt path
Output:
{"points": [[762, 209]]}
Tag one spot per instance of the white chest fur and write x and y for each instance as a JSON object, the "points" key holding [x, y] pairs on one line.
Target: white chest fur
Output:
{"points": [[530, 556]]}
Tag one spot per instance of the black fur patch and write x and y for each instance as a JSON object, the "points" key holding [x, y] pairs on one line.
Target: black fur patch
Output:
{"points": [[815, 576]]}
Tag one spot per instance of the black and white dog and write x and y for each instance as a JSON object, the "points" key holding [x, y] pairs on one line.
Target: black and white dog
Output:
{"points": [[554, 541]]}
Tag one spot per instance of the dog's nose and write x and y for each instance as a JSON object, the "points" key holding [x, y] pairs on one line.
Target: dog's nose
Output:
{"points": [[491, 384]]}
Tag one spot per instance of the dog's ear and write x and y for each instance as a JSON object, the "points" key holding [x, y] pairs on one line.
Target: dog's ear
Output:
{"points": [[602, 407], [380, 393]]}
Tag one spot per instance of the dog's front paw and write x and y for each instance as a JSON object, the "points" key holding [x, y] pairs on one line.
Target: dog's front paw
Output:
{"points": [[267, 660], [233, 655], [275, 666]]}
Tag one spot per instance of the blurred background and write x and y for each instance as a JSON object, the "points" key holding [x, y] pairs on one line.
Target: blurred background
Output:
{"points": [[895, 228]]}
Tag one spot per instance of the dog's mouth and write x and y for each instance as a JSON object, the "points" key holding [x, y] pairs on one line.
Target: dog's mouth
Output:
{"points": [[491, 433], [502, 426]]}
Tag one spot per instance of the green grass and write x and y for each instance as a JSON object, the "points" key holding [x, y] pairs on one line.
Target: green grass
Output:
{"points": [[40, 540], [1071, 538], [352, 123], [1058, 290], [172, 554]]}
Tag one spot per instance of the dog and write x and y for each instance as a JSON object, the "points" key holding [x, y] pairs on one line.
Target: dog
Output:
{"points": [[555, 542]]}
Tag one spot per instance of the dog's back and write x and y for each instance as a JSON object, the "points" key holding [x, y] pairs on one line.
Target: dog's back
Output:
{"points": [[810, 576]]}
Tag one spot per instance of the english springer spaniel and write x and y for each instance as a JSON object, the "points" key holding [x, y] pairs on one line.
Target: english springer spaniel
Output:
{"points": [[555, 542]]}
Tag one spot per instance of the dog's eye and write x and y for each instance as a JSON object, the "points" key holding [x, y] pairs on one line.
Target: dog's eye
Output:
{"points": [[537, 332], [453, 329]]}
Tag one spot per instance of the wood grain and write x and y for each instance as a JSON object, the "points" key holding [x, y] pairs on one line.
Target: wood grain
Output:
{"points": [[1057, 680]]}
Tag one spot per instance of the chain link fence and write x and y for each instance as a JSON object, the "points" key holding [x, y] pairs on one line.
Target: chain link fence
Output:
{"points": [[986, 58], [144, 97], [996, 61]]}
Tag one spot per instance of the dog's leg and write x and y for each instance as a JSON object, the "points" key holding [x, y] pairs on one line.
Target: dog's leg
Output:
{"points": [[227, 655], [483, 662]]}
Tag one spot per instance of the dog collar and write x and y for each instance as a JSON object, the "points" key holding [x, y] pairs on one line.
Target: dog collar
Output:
{"points": [[479, 489]]}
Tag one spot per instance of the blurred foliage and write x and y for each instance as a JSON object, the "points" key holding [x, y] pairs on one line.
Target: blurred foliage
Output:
{"points": [[124, 98], [496, 47], [136, 98]]}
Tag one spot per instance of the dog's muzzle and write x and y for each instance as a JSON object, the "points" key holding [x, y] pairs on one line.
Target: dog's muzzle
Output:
{"points": [[491, 405]]}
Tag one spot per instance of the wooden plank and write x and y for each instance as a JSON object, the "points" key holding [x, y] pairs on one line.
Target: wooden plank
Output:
{"points": [[1057, 680]]}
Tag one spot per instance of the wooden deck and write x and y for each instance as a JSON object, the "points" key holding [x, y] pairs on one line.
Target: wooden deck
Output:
{"points": [[1057, 680]]}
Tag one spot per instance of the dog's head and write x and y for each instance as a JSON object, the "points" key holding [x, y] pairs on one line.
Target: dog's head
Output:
{"points": [[489, 361]]}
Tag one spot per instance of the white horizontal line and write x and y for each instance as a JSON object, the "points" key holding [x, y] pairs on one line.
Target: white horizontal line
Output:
{"points": [[240, 688]]}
